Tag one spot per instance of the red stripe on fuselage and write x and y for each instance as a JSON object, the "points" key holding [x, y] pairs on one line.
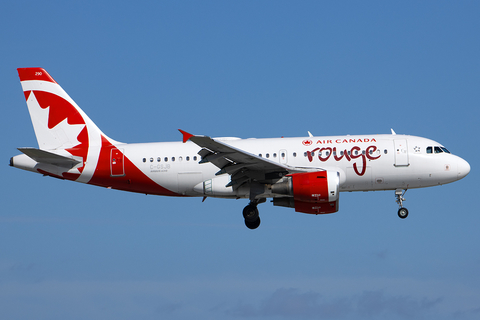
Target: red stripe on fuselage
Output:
{"points": [[134, 179]]}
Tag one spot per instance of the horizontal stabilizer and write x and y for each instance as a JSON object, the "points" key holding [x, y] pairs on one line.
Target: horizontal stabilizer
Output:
{"points": [[49, 157]]}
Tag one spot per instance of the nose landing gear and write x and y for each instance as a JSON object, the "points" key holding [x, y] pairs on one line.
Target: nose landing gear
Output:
{"points": [[402, 212]]}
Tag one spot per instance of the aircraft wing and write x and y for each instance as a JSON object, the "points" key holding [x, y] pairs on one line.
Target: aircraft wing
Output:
{"points": [[241, 165]]}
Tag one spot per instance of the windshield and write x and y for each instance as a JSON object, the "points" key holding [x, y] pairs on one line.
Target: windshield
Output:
{"points": [[437, 149]]}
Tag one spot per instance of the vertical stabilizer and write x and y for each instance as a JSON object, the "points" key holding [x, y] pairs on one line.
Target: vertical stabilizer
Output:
{"points": [[61, 127], [57, 120]]}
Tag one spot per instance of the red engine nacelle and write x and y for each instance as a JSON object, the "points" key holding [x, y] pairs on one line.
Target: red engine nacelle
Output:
{"points": [[321, 186], [311, 192], [316, 208]]}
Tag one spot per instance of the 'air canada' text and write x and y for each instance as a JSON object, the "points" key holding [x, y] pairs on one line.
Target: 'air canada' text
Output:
{"points": [[345, 141]]}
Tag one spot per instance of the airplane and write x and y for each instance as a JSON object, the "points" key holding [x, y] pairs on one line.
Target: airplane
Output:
{"points": [[304, 173]]}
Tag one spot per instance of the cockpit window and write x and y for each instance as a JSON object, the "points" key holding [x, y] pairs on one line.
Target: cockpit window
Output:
{"points": [[437, 149]]}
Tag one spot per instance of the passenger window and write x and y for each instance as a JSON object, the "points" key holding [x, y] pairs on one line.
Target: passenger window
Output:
{"points": [[158, 159], [305, 154], [274, 155], [267, 155], [144, 159], [173, 158], [294, 154], [429, 149], [166, 159], [151, 159], [283, 154], [385, 151], [180, 158], [187, 158], [260, 155], [194, 158]]}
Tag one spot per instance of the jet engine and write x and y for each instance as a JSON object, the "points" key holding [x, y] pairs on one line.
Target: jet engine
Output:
{"points": [[309, 192]]}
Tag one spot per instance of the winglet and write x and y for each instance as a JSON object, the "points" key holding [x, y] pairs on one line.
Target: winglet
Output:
{"points": [[186, 135]]}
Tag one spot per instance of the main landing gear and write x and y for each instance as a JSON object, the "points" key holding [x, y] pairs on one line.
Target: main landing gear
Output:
{"points": [[251, 215], [402, 212]]}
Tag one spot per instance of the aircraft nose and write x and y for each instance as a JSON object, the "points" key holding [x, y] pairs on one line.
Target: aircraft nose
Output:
{"points": [[463, 168]]}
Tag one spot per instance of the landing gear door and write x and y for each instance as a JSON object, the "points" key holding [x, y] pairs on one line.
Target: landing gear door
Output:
{"points": [[401, 153], [117, 168]]}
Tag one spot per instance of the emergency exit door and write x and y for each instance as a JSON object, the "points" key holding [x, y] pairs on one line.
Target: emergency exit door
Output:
{"points": [[283, 156]]}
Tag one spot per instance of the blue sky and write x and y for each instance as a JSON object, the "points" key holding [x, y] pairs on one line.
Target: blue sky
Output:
{"points": [[249, 69]]}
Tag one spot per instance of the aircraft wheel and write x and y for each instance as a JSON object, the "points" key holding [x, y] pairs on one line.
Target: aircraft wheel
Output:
{"points": [[403, 213], [250, 213], [252, 224]]}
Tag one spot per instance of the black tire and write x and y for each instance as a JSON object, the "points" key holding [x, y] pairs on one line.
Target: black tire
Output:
{"points": [[403, 213], [250, 213], [252, 224]]}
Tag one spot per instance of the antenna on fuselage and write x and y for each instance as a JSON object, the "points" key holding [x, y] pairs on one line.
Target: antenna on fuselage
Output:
{"points": [[393, 132], [309, 134]]}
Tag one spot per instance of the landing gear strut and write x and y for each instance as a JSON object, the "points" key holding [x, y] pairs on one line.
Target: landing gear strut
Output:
{"points": [[250, 213], [402, 212]]}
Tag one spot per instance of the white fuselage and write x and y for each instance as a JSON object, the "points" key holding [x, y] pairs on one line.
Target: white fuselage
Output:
{"points": [[401, 161]]}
